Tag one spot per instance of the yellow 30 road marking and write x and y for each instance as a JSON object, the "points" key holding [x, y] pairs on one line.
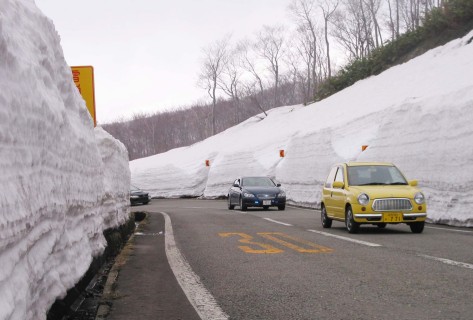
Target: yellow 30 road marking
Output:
{"points": [[245, 238], [280, 238], [276, 237]]}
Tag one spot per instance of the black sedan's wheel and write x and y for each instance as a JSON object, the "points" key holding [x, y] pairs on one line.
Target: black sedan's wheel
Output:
{"points": [[326, 222], [417, 227], [350, 223], [282, 207], [242, 206], [230, 206]]}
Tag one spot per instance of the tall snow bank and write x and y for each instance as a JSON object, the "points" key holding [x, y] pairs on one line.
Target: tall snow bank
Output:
{"points": [[115, 201], [57, 176], [417, 115]]}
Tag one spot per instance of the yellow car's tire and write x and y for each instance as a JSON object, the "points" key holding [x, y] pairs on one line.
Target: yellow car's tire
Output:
{"points": [[350, 223], [326, 221], [417, 227]]}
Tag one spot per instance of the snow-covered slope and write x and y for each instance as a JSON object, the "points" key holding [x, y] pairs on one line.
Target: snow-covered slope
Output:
{"points": [[62, 182], [417, 115]]}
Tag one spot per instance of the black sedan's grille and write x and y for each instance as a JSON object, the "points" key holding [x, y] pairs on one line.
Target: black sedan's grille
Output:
{"points": [[392, 204], [266, 196]]}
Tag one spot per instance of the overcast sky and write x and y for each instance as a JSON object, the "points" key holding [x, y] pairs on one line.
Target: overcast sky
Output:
{"points": [[147, 54]]}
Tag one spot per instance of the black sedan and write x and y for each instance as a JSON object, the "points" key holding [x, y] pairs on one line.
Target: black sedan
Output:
{"points": [[138, 196], [256, 192]]}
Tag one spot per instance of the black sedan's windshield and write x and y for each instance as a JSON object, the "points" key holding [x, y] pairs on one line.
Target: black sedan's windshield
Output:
{"points": [[257, 182], [375, 175]]}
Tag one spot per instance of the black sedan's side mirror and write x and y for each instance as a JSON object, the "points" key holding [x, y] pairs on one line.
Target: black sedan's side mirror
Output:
{"points": [[236, 185], [278, 185]]}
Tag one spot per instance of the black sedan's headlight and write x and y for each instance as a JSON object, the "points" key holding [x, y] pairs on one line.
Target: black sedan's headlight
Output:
{"points": [[281, 194], [248, 195]]}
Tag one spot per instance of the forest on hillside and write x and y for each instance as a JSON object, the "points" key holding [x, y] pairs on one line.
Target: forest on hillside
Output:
{"points": [[325, 47]]}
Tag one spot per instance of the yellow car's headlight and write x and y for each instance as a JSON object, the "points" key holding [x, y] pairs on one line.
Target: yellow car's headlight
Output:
{"points": [[363, 199], [419, 198]]}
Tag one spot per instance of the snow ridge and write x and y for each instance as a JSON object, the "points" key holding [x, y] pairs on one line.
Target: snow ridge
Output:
{"points": [[62, 182], [416, 115]]}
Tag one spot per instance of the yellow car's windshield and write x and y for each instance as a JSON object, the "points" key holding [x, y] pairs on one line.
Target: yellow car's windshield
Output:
{"points": [[374, 175]]}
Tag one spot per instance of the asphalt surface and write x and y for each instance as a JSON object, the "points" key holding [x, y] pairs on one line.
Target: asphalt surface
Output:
{"points": [[284, 265], [146, 287]]}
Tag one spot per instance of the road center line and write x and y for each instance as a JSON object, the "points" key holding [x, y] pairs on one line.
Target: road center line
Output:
{"points": [[279, 222], [447, 261], [365, 243], [452, 230], [200, 298]]}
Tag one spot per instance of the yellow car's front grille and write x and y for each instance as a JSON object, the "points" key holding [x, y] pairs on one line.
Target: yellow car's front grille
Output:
{"points": [[392, 204]]}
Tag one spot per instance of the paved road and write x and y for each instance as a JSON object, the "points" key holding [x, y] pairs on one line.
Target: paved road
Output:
{"points": [[284, 265]]}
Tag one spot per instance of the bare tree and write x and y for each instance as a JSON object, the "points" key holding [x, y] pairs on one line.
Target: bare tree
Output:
{"points": [[270, 47], [304, 13], [215, 59], [353, 29], [393, 22], [328, 8], [373, 7], [249, 63], [230, 79]]}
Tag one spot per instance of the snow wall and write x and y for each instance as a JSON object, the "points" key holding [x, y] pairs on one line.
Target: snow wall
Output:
{"points": [[62, 181], [417, 115]]}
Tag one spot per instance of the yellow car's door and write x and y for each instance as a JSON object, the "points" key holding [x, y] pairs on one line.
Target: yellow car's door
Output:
{"points": [[338, 194], [327, 193]]}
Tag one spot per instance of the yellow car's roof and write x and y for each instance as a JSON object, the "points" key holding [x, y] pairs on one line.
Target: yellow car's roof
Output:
{"points": [[354, 164]]}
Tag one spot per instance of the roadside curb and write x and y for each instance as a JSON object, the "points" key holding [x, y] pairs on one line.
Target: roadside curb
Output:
{"points": [[108, 294]]}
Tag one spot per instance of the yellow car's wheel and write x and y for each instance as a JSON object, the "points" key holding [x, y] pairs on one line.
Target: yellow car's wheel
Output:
{"points": [[326, 222], [350, 223], [417, 227]]}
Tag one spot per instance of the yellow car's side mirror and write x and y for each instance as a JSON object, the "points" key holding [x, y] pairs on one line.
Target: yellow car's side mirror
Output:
{"points": [[413, 183], [338, 185]]}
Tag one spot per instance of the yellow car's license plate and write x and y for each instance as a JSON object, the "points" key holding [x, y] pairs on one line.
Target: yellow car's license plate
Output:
{"points": [[392, 217]]}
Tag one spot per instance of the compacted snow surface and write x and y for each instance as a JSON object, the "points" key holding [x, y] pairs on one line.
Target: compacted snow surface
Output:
{"points": [[417, 115], [62, 181]]}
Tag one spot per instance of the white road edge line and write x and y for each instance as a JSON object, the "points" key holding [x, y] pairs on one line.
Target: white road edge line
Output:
{"points": [[369, 244], [447, 261], [305, 209], [279, 222], [200, 298], [452, 230]]}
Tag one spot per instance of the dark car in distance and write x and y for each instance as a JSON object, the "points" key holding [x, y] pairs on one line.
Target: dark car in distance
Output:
{"points": [[260, 192], [138, 196]]}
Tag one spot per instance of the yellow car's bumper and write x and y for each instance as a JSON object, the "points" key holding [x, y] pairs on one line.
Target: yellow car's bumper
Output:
{"points": [[389, 217], [366, 214]]}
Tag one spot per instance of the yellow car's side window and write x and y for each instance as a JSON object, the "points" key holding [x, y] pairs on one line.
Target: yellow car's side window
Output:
{"points": [[331, 177]]}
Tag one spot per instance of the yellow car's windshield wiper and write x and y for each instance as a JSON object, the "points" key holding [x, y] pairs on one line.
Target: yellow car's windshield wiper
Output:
{"points": [[373, 184]]}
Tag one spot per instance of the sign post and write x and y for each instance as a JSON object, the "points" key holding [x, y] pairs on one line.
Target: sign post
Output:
{"points": [[84, 80]]}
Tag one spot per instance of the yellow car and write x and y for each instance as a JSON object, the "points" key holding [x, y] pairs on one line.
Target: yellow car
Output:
{"points": [[371, 193]]}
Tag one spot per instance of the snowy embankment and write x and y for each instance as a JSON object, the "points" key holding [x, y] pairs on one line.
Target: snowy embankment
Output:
{"points": [[62, 182], [417, 115]]}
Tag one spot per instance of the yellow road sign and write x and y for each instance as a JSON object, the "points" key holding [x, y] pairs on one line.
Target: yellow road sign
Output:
{"points": [[84, 80]]}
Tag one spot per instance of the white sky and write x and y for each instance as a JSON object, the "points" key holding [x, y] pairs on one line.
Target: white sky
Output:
{"points": [[147, 54]]}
